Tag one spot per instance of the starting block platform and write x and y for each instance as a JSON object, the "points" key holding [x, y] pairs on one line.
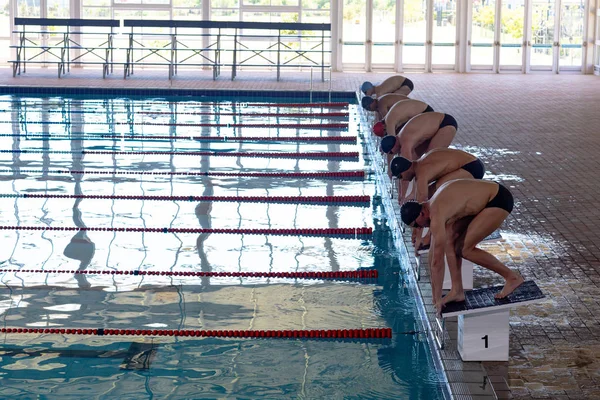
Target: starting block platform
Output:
{"points": [[467, 266], [483, 328]]}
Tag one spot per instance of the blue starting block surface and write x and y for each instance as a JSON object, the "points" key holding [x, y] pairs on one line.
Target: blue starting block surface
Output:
{"points": [[482, 300]]}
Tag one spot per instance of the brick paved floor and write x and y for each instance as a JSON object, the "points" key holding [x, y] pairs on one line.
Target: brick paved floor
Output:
{"points": [[540, 136]]}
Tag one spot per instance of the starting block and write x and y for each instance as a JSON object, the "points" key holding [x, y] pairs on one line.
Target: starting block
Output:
{"points": [[483, 329], [467, 266]]}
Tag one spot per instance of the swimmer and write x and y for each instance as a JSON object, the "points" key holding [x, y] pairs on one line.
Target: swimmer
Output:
{"points": [[398, 116], [419, 135], [435, 168], [394, 84], [460, 215], [383, 104], [431, 171]]}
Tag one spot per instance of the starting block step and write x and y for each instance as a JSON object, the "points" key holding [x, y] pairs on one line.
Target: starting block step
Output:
{"points": [[483, 329], [467, 266]]}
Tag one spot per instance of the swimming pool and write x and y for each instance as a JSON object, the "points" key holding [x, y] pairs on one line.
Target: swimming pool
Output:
{"points": [[197, 168]]}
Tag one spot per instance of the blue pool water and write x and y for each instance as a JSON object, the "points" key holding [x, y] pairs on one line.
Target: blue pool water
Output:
{"points": [[54, 131]]}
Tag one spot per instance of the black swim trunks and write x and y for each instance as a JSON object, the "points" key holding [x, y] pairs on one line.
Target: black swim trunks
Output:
{"points": [[503, 199], [448, 120], [475, 168], [428, 109], [409, 83]]}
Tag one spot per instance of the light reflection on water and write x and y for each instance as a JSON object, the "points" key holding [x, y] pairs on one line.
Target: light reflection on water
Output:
{"points": [[95, 367]]}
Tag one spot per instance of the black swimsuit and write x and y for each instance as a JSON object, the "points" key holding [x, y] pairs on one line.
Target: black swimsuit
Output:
{"points": [[475, 168], [448, 120], [503, 199], [409, 83]]}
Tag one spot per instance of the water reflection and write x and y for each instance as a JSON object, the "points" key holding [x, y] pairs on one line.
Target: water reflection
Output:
{"points": [[183, 367], [81, 247], [203, 209]]}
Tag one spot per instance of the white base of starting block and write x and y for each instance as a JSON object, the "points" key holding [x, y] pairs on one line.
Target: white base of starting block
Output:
{"points": [[466, 272], [483, 330], [484, 336]]}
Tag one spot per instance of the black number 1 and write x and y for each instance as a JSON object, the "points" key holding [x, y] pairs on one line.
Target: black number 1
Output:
{"points": [[486, 340]]}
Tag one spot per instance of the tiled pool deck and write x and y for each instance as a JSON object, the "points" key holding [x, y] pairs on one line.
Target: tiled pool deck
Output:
{"points": [[540, 135]]}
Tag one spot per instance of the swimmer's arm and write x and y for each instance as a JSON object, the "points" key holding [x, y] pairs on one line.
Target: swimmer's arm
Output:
{"points": [[422, 186], [390, 127], [407, 149], [436, 259], [383, 110]]}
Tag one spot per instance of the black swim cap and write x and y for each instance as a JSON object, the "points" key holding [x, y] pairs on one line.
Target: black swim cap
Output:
{"points": [[399, 165], [387, 143], [366, 102], [410, 211]]}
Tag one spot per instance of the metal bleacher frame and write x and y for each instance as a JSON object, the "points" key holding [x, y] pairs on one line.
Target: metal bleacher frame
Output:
{"points": [[61, 51], [217, 37]]}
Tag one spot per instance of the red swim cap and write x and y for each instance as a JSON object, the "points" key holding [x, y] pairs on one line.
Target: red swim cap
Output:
{"points": [[379, 129]]}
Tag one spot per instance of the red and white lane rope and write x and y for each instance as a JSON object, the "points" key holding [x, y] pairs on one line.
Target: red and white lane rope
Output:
{"points": [[343, 275], [254, 154], [325, 200], [286, 139], [344, 233], [340, 125], [305, 175], [365, 333]]}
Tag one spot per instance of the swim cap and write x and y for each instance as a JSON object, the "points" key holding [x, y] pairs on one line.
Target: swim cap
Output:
{"points": [[387, 143], [399, 165], [366, 86], [379, 129], [410, 211], [366, 102]]}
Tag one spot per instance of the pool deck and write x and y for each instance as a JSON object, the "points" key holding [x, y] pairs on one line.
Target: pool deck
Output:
{"points": [[540, 136]]}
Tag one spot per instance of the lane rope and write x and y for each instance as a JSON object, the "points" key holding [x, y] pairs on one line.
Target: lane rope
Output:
{"points": [[363, 333], [183, 103], [309, 139], [341, 125], [343, 233], [345, 275], [347, 155], [227, 114], [306, 175], [361, 201]]}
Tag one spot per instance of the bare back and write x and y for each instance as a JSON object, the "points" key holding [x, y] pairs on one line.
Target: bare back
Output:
{"points": [[439, 162], [460, 198], [401, 112], [390, 85], [385, 102], [420, 128]]}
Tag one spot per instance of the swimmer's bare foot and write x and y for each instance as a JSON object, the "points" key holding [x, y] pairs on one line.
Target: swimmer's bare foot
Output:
{"points": [[511, 284], [438, 308], [454, 296]]}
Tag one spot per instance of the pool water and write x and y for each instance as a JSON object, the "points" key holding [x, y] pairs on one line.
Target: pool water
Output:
{"points": [[42, 143]]}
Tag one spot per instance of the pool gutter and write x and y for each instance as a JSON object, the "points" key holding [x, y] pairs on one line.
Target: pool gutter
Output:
{"points": [[392, 212]]}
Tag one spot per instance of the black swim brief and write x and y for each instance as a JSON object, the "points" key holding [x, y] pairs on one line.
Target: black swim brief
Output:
{"points": [[448, 120], [409, 83], [428, 109], [475, 168], [503, 199]]}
